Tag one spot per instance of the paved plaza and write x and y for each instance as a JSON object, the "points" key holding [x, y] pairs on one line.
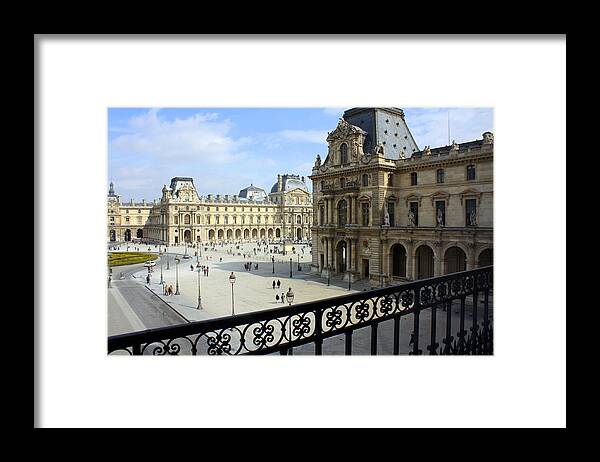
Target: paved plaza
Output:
{"points": [[252, 291]]}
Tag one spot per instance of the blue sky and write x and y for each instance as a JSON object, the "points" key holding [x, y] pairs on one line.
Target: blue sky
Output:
{"points": [[226, 149]]}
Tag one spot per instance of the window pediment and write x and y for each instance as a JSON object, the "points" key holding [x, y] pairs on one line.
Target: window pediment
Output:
{"points": [[413, 198]]}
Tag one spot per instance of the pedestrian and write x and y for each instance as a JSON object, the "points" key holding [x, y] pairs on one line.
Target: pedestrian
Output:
{"points": [[148, 279], [273, 285], [278, 283], [191, 267], [207, 270], [277, 297], [282, 298]]}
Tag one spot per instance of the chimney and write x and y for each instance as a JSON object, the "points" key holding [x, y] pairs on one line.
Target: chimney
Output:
{"points": [[302, 179], [279, 183]]}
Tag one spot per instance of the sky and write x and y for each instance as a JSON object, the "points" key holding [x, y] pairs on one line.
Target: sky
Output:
{"points": [[227, 149]]}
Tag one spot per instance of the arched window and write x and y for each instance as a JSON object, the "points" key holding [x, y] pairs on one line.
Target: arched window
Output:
{"points": [[176, 219], [299, 219], [342, 213], [413, 178], [322, 185], [186, 219], [365, 180], [342, 182], [344, 154]]}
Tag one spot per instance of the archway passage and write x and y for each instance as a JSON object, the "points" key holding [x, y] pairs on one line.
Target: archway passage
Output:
{"points": [[187, 236], [246, 234], [211, 235], [299, 234], [113, 235], [424, 261], [127, 235], [456, 260], [238, 233], [340, 252], [229, 234], [254, 234], [398, 260], [220, 235], [270, 233], [139, 234], [486, 258], [277, 233], [262, 233]]}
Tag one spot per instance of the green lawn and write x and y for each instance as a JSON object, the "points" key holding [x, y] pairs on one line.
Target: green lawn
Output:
{"points": [[129, 258]]}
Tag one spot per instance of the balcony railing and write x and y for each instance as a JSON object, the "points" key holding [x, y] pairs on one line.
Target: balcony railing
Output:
{"points": [[432, 301]]}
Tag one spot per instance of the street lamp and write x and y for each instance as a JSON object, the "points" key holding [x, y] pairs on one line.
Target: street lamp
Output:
{"points": [[167, 250], [198, 267], [289, 296], [291, 268], [177, 276], [328, 275], [299, 269], [273, 260], [232, 281]]}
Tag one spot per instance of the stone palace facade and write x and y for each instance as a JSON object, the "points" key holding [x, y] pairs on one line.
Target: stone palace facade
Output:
{"points": [[386, 210], [182, 215]]}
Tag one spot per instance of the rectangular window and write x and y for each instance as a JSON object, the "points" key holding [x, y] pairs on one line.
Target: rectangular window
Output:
{"points": [[391, 208], [413, 178], [321, 215], [440, 213], [471, 212], [414, 208], [470, 172], [365, 213], [440, 175]]}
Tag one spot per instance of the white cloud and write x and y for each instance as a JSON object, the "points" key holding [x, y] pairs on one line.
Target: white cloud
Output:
{"points": [[202, 137]]}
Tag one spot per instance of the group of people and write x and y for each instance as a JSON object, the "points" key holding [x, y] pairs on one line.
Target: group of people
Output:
{"points": [[204, 269], [168, 289], [248, 266]]}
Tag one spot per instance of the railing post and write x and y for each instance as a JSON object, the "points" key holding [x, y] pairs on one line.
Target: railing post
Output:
{"points": [[374, 338], [432, 347], [318, 331], [415, 334], [448, 340], [397, 335], [348, 343]]}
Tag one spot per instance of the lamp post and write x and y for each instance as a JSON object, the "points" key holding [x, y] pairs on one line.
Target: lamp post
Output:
{"points": [[291, 276], [198, 267], [273, 260], [232, 281], [167, 250], [299, 269], [289, 296], [349, 280], [328, 275], [177, 276]]}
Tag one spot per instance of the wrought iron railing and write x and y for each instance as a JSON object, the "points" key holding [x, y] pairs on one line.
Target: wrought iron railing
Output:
{"points": [[283, 329]]}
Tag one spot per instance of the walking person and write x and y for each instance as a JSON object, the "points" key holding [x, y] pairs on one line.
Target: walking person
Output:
{"points": [[273, 285], [277, 298], [282, 298], [278, 283]]}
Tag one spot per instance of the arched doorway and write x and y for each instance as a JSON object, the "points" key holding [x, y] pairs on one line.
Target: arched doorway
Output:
{"points": [[299, 234], [128, 235], [254, 234], [455, 260], [340, 256], [229, 234], [342, 213], [424, 261], [238, 233], [246, 234], [113, 235], [270, 233], [277, 233], [139, 234], [211, 235], [398, 255], [220, 235], [486, 258], [187, 236], [262, 233]]}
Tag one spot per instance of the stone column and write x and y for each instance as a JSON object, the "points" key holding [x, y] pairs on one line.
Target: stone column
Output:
{"points": [[471, 262]]}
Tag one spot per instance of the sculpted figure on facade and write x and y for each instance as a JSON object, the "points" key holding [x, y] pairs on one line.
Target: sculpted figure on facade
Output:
{"points": [[411, 218], [473, 218], [426, 151], [386, 216], [440, 218], [318, 161]]}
